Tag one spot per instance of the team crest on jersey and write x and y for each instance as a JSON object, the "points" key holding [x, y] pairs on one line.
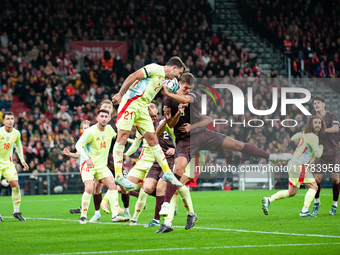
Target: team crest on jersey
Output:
{"points": [[108, 138], [13, 139], [7, 138]]}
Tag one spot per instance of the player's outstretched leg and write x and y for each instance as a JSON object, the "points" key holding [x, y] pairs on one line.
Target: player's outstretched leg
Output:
{"points": [[159, 156], [267, 200], [251, 150]]}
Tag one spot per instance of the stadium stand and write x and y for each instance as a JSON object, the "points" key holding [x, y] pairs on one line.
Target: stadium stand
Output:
{"points": [[51, 89]]}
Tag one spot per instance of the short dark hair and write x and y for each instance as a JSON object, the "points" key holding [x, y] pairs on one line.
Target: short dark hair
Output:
{"points": [[8, 113], [188, 78], [176, 61], [319, 98], [102, 110]]}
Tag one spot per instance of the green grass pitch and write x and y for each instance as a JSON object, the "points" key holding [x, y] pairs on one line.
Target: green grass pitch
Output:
{"points": [[228, 222]]}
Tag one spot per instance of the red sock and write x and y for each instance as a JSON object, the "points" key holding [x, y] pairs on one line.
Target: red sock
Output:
{"points": [[317, 195], [97, 199], [252, 150], [159, 202], [126, 200], [134, 193], [336, 192], [170, 190]]}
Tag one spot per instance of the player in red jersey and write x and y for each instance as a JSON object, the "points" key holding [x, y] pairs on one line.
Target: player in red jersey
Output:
{"points": [[330, 159], [190, 142]]}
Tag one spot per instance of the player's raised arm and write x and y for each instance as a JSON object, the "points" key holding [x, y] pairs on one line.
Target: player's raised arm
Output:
{"points": [[173, 120], [181, 99], [20, 152], [163, 123], [137, 75], [296, 137]]}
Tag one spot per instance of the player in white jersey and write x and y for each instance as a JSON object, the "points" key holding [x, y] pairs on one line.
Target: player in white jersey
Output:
{"points": [[8, 137], [298, 167]]}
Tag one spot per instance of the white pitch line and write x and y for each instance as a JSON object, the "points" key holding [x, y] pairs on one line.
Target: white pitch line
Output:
{"points": [[203, 228], [25, 201], [195, 248]]}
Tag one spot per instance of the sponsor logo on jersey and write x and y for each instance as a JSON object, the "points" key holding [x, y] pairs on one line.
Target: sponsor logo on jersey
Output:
{"points": [[2, 138], [97, 139]]}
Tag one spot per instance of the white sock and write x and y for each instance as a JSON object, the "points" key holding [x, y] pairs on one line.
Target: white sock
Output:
{"points": [[16, 210], [317, 200], [97, 212], [156, 220], [304, 209], [126, 210], [335, 203]]}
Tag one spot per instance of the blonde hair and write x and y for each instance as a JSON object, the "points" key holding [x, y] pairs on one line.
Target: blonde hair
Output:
{"points": [[83, 123], [106, 101]]}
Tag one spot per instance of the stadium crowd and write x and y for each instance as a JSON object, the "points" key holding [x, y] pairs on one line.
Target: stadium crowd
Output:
{"points": [[36, 68], [306, 31]]}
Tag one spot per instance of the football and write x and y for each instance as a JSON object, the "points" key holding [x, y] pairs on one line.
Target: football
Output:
{"points": [[171, 85]]}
